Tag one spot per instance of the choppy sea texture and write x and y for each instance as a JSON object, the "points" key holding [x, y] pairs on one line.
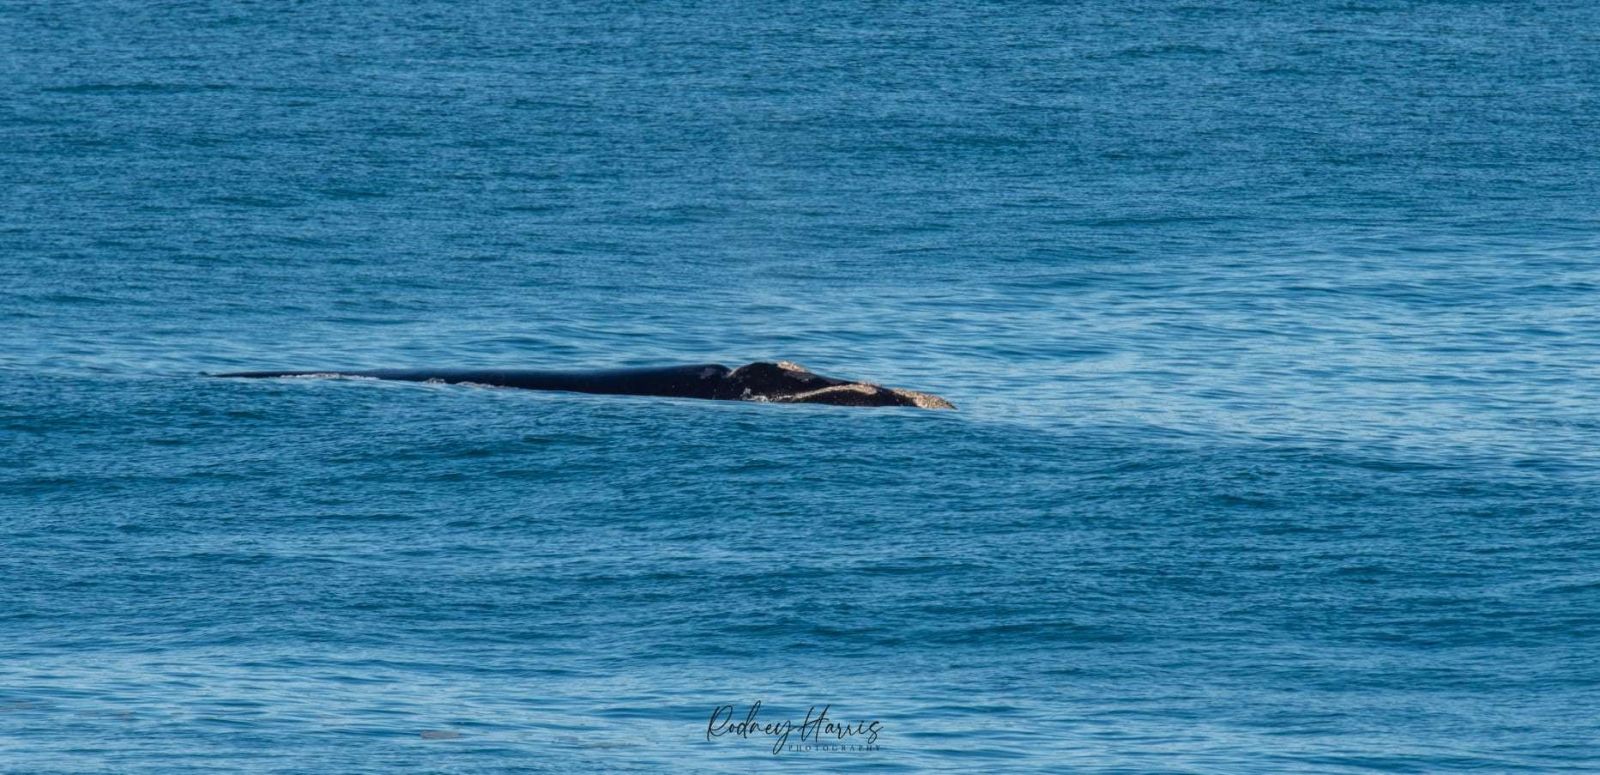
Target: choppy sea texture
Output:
{"points": [[1273, 328]]}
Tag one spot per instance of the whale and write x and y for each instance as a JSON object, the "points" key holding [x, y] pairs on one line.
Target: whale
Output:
{"points": [[778, 382]]}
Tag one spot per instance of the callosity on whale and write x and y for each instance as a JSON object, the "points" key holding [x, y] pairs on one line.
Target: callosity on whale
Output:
{"points": [[770, 381]]}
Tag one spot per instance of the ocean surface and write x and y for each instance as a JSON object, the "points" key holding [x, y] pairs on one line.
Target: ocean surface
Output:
{"points": [[1273, 328]]}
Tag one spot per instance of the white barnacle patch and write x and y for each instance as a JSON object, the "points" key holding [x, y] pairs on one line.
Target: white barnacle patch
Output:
{"points": [[328, 375], [825, 395], [923, 400]]}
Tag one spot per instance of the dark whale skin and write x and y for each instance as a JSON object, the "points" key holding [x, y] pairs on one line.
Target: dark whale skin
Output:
{"points": [[679, 381], [773, 382]]}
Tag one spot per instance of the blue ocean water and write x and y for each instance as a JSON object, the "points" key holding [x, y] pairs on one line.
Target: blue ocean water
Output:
{"points": [[1272, 326]]}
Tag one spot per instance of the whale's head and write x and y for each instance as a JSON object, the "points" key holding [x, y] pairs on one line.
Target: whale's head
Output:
{"points": [[772, 380], [788, 382]]}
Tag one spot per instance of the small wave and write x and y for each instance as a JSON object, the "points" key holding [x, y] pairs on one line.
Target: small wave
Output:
{"points": [[135, 88]]}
